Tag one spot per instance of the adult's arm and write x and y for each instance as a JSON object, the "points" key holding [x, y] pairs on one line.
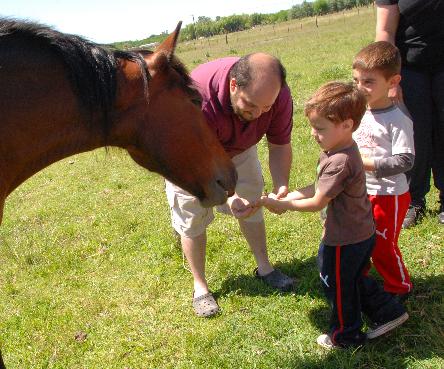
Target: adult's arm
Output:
{"points": [[387, 19], [280, 157]]}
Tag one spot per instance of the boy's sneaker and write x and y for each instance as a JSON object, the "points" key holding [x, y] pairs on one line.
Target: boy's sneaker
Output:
{"points": [[414, 214], [358, 340], [324, 340], [379, 329]]}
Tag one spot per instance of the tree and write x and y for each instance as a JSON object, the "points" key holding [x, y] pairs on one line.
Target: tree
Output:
{"points": [[256, 19], [203, 19], [320, 7], [306, 9]]}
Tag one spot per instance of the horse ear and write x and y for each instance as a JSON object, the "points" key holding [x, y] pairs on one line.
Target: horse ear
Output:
{"points": [[168, 46]]}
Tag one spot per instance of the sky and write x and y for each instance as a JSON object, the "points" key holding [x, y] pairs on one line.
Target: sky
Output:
{"points": [[106, 21]]}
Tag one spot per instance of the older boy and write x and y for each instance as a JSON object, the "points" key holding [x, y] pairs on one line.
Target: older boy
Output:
{"points": [[334, 112], [385, 140]]}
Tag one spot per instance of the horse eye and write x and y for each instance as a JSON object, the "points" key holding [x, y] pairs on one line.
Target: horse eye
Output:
{"points": [[197, 101]]}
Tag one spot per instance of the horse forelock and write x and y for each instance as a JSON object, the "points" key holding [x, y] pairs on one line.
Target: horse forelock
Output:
{"points": [[180, 68], [186, 82]]}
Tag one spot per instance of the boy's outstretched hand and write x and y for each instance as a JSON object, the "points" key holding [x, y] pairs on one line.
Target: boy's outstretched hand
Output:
{"points": [[272, 203]]}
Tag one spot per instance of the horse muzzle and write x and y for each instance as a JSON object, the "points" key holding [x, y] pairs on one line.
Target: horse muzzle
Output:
{"points": [[220, 188]]}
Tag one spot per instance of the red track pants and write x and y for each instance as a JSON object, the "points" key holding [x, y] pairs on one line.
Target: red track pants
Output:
{"points": [[389, 212]]}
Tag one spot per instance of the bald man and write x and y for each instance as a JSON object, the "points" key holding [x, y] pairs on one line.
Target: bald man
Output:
{"points": [[243, 100]]}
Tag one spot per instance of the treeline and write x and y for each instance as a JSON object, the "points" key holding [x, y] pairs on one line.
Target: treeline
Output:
{"points": [[206, 27], [124, 45]]}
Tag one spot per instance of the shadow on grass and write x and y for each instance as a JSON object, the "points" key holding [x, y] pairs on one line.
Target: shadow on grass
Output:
{"points": [[420, 338], [305, 273]]}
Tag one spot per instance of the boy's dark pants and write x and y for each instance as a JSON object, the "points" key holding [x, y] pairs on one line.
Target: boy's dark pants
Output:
{"points": [[349, 292]]}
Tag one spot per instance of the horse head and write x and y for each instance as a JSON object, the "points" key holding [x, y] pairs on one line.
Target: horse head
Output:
{"points": [[171, 133]]}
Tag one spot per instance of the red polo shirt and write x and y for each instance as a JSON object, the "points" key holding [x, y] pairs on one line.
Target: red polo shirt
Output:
{"points": [[212, 81]]}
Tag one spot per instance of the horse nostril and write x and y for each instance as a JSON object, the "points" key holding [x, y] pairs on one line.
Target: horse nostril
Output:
{"points": [[221, 183], [229, 189], [227, 180]]}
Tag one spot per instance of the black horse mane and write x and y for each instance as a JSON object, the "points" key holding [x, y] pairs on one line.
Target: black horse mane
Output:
{"points": [[92, 68]]}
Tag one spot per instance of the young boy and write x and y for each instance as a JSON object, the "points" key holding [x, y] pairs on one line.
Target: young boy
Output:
{"points": [[385, 140], [334, 112]]}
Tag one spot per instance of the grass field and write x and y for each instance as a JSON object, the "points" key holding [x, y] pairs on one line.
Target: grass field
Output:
{"points": [[92, 276]]}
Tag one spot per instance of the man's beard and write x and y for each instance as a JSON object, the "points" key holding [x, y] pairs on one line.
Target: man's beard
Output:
{"points": [[241, 117], [239, 112]]}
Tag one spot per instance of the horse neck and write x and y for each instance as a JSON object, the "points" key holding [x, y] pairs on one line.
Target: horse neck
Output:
{"points": [[41, 144], [41, 126]]}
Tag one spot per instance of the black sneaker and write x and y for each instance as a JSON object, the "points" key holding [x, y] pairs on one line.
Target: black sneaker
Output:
{"points": [[378, 329], [414, 214]]}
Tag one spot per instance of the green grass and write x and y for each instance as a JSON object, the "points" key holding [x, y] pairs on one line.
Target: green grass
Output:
{"points": [[91, 275]]}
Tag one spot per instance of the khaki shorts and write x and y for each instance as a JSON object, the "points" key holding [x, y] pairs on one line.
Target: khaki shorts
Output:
{"points": [[190, 219]]}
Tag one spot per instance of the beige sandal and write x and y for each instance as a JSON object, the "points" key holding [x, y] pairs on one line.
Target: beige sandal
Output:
{"points": [[205, 305], [276, 279]]}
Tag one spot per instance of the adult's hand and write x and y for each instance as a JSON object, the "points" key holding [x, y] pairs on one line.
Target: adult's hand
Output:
{"points": [[240, 208], [281, 192]]}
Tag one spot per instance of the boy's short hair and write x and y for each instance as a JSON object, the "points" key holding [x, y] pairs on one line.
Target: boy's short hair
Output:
{"points": [[338, 101], [381, 56]]}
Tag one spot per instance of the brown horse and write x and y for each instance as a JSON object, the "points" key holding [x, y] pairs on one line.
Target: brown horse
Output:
{"points": [[61, 95]]}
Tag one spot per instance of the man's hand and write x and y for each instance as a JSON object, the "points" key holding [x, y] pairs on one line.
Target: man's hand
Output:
{"points": [[241, 208], [280, 192]]}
